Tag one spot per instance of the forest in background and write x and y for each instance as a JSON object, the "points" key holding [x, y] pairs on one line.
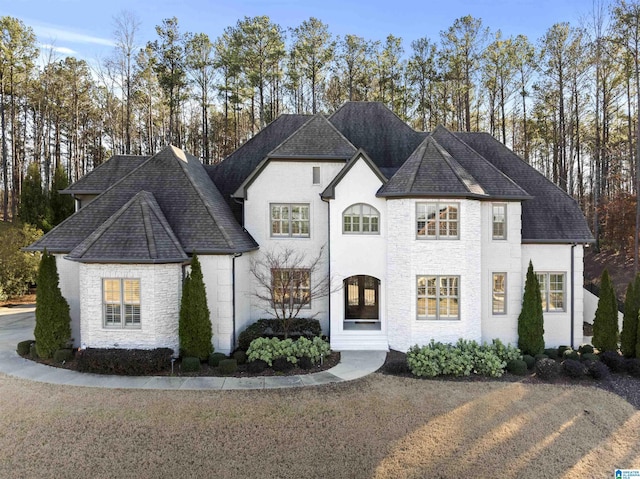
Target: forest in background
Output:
{"points": [[567, 102]]}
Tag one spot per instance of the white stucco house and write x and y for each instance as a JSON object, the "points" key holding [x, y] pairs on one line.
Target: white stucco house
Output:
{"points": [[425, 235]]}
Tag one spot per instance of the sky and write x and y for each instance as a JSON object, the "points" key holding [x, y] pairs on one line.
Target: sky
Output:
{"points": [[84, 28]]}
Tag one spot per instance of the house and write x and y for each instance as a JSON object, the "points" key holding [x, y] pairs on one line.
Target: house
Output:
{"points": [[423, 236]]}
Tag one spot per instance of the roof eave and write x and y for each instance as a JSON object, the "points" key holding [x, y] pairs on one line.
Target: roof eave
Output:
{"points": [[128, 260], [558, 241]]}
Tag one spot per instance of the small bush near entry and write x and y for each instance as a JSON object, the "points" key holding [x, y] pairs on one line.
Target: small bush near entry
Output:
{"points": [[269, 349], [585, 349], [305, 363], [190, 364], [228, 366], [530, 360], [282, 365], [257, 366], [24, 346], [240, 357], [561, 350], [598, 370], [614, 361], [517, 367], [215, 358], [574, 369], [131, 362], [589, 357], [633, 367], [552, 353], [33, 351], [397, 366], [571, 354], [63, 355], [538, 357], [547, 369]]}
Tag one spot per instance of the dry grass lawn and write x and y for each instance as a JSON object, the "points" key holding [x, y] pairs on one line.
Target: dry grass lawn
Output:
{"points": [[376, 427]]}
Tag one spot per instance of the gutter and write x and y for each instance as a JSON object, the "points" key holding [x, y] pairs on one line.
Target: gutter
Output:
{"points": [[233, 300], [328, 259], [572, 294]]}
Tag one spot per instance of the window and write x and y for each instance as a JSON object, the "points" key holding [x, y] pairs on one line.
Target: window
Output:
{"points": [[437, 220], [499, 293], [361, 219], [316, 175], [438, 297], [290, 220], [552, 291], [291, 288], [499, 213], [121, 303]]}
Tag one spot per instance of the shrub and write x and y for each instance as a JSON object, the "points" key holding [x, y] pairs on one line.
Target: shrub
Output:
{"points": [[282, 365], [396, 366], [605, 323], [53, 323], [19, 268], [571, 354], [538, 357], [190, 364], [517, 367], [228, 366], [530, 320], [132, 362], [629, 334], [33, 351], [589, 357], [507, 352], [614, 361], [561, 350], [529, 360], [633, 367], [63, 355], [305, 363], [240, 357], [257, 366], [574, 369], [24, 347], [195, 322], [552, 353], [598, 370], [215, 358], [547, 369], [272, 328], [585, 349], [269, 349]]}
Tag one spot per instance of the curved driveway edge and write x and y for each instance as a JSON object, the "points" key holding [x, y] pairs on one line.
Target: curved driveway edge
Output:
{"points": [[17, 323]]}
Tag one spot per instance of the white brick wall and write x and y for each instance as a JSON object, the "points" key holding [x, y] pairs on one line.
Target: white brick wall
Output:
{"points": [[161, 289], [70, 289], [217, 274]]}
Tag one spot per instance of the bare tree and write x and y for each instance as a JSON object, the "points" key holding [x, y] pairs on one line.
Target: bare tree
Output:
{"points": [[288, 281]]}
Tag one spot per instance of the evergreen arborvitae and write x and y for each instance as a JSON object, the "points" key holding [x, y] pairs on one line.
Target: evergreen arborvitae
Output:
{"points": [[629, 334], [195, 323], [605, 324], [53, 323], [531, 320]]}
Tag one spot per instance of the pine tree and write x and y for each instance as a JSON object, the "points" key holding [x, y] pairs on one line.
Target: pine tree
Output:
{"points": [[605, 324], [531, 320], [195, 323], [53, 323], [60, 205], [33, 200], [628, 337]]}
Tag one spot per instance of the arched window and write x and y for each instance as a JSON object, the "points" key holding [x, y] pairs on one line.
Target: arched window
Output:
{"points": [[361, 219]]}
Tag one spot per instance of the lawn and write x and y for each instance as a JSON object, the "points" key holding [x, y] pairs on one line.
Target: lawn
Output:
{"points": [[377, 427]]}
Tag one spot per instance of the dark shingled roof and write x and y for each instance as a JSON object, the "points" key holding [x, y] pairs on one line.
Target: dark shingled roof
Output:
{"points": [[431, 171], [551, 216], [192, 205], [106, 174], [137, 233], [317, 138]]}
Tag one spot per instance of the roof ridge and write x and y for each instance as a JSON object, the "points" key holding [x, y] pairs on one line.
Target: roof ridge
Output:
{"points": [[148, 229]]}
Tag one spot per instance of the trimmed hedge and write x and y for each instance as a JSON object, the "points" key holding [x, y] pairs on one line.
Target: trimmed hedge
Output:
{"points": [[257, 366], [63, 355], [128, 362], [517, 367], [529, 360], [547, 369], [614, 361], [598, 370], [228, 366], [272, 328], [190, 364], [215, 359], [24, 347], [574, 369], [240, 356], [552, 353]]}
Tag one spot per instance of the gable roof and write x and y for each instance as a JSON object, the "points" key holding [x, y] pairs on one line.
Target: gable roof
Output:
{"points": [[317, 139], [330, 191], [106, 174], [551, 216], [147, 237], [192, 206]]}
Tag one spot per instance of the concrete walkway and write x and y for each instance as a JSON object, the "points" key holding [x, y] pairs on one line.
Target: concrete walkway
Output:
{"points": [[17, 323]]}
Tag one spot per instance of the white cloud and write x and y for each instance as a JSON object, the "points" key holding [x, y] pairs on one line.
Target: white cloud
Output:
{"points": [[62, 34], [61, 50]]}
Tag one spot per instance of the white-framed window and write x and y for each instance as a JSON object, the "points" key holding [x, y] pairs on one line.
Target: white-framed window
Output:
{"points": [[437, 220], [499, 293], [552, 291], [121, 303], [438, 297], [316, 175], [291, 288], [499, 221], [361, 219], [290, 220]]}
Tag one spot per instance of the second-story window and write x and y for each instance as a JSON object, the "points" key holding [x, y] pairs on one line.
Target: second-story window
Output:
{"points": [[289, 220], [361, 219], [435, 220], [499, 221]]}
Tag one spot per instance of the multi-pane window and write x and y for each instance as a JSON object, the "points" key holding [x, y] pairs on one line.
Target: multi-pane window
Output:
{"points": [[291, 288], [437, 220], [121, 302], [361, 219], [552, 291], [499, 221], [438, 297], [499, 293], [290, 220]]}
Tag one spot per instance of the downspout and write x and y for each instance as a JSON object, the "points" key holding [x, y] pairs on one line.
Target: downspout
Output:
{"points": [[328, 258], [573, 288], [233, 299]]}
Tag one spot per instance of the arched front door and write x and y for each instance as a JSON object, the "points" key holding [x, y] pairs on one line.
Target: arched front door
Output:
{"points": [[361, 302]]}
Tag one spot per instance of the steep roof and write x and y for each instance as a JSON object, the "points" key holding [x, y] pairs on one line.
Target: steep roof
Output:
{"points": [[317, 139], [330, 190], [106, 174], [147, 237], [192, 206], [551, 216]]}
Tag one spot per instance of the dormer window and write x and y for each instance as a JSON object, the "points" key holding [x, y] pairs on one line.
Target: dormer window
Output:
{"points": [[361, 219]]}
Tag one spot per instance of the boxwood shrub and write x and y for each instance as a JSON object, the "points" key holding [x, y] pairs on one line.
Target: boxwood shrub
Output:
{"points": [[552, 353], [24, 347], [574, 368], [132, 362], [585, 349], [598, 370], [530, 360], [63, 355], [571, 354], [614, 361], [518, 367], [215, 358], [272, 328], [190, 364], [547, 368], [633, 367], [228, 366]]}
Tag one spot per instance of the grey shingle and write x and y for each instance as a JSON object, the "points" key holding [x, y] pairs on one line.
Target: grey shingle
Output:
{"points": [[106, 174]]}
